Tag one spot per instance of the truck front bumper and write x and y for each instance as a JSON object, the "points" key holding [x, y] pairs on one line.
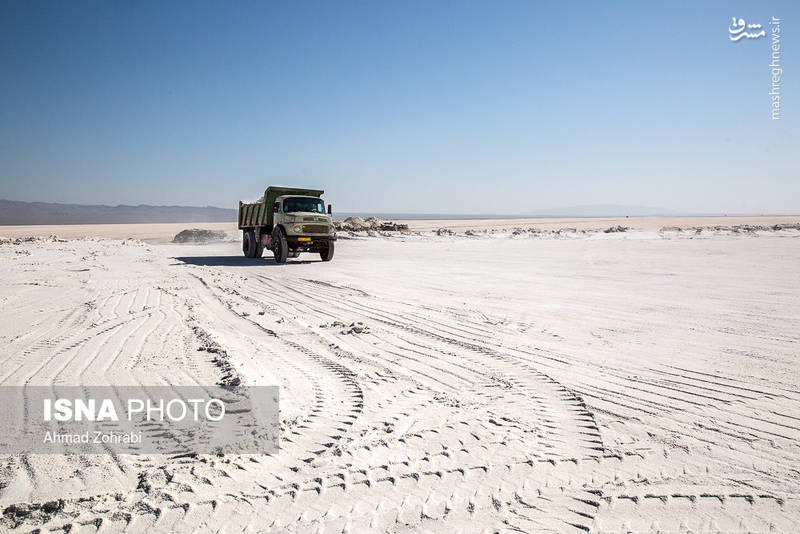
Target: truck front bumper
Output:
{"points": [[309, 242]]}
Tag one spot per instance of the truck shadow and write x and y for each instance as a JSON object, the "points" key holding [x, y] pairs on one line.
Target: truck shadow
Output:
{"points": [[235, 261]]}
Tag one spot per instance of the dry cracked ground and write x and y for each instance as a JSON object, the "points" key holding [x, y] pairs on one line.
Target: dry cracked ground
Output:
{"points": [[613, 383]]}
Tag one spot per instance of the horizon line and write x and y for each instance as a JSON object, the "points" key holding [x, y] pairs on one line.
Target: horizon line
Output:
{"points": [[552, 213]]}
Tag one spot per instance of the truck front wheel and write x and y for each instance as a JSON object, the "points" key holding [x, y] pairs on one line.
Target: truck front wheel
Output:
{"points": [[326, 252], [249, 245], [280, 248]]}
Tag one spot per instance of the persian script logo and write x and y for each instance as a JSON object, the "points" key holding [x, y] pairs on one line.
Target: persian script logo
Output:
{"points": [[738, 27]]}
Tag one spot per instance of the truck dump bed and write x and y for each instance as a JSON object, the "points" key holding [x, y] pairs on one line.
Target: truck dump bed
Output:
{"points": [[260, 213]]}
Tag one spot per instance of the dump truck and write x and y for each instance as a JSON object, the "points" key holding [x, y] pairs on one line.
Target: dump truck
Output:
{"points": [[287, 221]]}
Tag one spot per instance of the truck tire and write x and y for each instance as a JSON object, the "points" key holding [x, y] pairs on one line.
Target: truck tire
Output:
{"points": [[326, 253], [294, 253], [280, 248], [249, 244]]}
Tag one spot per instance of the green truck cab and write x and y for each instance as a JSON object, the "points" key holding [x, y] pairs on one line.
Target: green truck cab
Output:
{"points": [[287, 221]]}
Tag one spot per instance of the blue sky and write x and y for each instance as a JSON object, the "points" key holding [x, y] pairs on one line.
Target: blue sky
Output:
{"points": [[428, 107]]}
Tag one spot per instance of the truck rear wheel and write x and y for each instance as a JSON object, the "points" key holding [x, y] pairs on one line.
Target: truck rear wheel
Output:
{"points": [[326, 252], [280, 248], [249, 244]]}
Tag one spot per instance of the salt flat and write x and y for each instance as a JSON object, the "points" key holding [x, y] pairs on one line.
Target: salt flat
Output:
{"points": [[533, 381], [164, 232]]}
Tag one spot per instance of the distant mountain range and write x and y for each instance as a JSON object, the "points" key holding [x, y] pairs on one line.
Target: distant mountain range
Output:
{"points": [[13, 212]]}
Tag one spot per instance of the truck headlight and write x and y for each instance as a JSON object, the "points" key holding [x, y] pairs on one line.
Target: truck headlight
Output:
{"points": [[297, 229]]}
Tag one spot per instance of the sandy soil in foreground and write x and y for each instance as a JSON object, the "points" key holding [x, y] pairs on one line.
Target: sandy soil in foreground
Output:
{"points": [[566, 382]]}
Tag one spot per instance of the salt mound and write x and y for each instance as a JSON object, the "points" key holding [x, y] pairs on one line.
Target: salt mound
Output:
{"points": [[354, 223], [357, 224], [31, 239], [197, 235]]}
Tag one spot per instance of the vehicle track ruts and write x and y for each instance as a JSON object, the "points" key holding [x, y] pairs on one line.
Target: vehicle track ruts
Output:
{"points": [[538, 384], [540, 381], [561, 401]]}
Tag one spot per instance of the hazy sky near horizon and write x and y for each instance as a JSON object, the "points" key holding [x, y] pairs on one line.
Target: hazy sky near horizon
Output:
{"points": [[427, 107]]}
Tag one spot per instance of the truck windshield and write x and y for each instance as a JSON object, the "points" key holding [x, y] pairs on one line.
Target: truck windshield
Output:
{"points": [[314, 205]]}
